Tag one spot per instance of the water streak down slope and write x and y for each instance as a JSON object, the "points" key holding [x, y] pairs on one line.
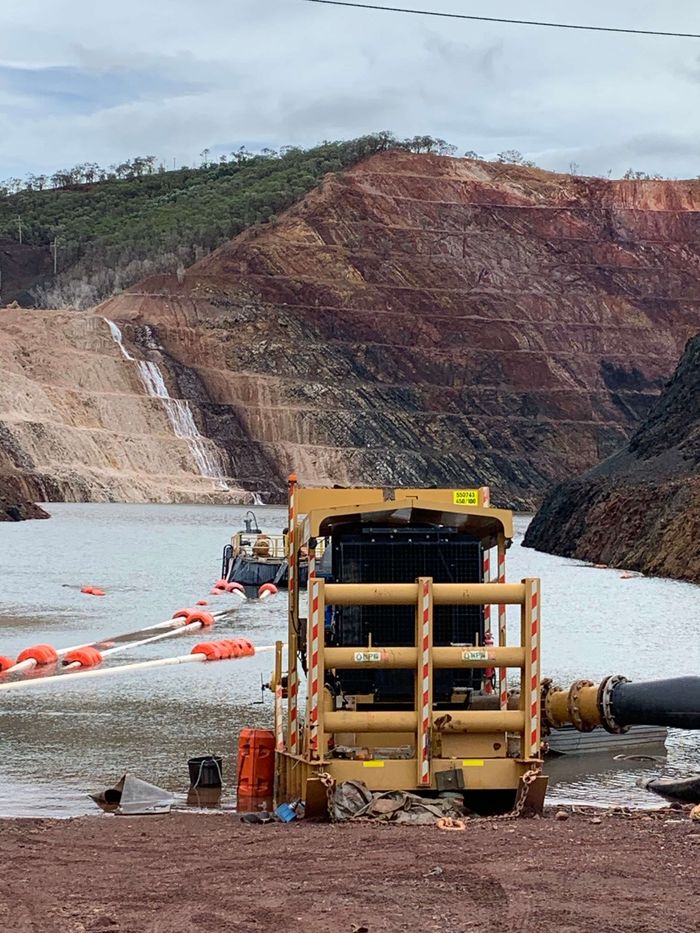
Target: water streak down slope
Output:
{"points": [[433, 320], [178, 410], [77, 425]]}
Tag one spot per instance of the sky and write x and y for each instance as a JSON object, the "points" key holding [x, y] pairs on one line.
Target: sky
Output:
{"points": [[97, 81]]}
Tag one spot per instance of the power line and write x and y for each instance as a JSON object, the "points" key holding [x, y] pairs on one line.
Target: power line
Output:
{"points": [[515, 22]]}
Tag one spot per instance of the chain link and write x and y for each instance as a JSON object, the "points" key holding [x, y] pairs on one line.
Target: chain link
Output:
{"points": [[326, 779]]}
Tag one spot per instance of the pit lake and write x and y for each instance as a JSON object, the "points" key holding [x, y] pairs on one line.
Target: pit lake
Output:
{"points": [[59, 742]]}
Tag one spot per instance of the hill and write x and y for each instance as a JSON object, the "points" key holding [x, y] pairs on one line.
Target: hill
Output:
{"points": [[415, 319], [640, 508], [115, 226]]}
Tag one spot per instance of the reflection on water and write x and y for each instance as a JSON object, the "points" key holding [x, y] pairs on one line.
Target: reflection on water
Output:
{"points": [[58, 743]]}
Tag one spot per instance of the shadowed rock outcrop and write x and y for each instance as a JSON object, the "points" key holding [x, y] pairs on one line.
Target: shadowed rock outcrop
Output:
{"points": [[415, 320], [640, 508]]}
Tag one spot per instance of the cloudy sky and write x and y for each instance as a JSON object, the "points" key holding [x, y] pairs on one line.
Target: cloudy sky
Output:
{"points": [[90, 80]]}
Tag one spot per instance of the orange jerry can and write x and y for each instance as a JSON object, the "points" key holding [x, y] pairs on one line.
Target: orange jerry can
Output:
{"points": [[256, 763]]}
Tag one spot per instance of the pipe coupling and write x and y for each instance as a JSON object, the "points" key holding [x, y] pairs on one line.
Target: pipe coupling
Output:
{"points": [[605, 703]]}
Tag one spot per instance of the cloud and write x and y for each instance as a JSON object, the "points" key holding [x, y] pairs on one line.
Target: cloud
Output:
{"points": [[73, 90], [101, 82]]}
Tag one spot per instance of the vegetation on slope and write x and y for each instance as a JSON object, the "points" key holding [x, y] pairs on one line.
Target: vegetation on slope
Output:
{"points": [[112, 227]]}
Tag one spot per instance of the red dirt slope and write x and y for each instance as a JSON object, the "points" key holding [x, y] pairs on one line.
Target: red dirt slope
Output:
{"points": [[437, 320]]}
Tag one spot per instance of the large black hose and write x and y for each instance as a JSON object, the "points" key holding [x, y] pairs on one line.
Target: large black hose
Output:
{"points": [[674, 702]]}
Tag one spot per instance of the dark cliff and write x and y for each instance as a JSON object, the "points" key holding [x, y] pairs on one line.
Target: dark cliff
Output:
{"points": [[640, 508]]}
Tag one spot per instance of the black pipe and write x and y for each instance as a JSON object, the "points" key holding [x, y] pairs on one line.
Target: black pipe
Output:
{"points": [[674, 703]]}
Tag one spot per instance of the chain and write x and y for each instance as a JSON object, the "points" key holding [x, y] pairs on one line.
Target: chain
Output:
{"points": [[328, 782], [527, 779]]}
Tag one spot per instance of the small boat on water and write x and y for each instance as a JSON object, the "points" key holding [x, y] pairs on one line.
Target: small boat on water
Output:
{"points": [[255, 557]]}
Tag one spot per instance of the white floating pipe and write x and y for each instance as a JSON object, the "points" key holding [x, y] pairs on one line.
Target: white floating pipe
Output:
{"points": [[105, 671], [179, 630], [173, 627]]}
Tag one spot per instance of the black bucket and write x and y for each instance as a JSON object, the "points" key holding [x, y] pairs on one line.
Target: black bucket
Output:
{"points": [[205, 771]]}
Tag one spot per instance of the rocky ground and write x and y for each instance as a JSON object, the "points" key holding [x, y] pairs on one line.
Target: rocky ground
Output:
{"points": [[612, 873], [640, 509]]}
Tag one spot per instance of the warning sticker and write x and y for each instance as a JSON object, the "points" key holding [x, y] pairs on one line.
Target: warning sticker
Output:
{"points": [[367, 657], [465, 496], [473, 763], [372, 764]]}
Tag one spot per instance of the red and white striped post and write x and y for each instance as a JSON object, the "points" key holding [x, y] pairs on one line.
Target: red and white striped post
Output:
{"points": [[502, 628], [531, 675], [424, 677], [316, 669], [312, 558], [292, 677], [279, 729], [489, 672]]}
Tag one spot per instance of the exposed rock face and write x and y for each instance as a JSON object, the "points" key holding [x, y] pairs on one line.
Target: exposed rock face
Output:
{"points": [[640, 508], [76, 423], [430, 320], [416, 320], [14, 507]]}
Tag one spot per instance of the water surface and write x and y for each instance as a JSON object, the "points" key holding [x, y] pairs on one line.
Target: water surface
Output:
{"points": [[56, 743]]}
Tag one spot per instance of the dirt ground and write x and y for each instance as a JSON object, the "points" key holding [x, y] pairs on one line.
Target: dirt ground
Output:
{"points": [[185, 872]]}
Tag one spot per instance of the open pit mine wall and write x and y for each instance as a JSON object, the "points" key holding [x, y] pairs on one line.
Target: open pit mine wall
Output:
{"points": [[639, 509], [432, 320], [416, 320]]}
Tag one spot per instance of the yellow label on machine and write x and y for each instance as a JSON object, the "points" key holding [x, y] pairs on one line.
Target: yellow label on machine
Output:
{"points": [[473, 763], [372, 764], [465, 496]]}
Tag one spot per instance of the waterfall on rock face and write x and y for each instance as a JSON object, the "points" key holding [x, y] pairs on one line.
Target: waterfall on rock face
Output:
{"points": [[257, 499], [177, 409], [118, 339]]}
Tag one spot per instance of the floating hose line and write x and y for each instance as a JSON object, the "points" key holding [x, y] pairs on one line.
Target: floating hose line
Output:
{"points": [[89, 654], [223, 650]]}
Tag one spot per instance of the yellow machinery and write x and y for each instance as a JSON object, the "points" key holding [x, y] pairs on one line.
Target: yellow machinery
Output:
{"points": [[430, 710]]}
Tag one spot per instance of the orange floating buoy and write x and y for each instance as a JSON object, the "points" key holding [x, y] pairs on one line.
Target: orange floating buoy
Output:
{"points": [[221, 584], [87, 589], [201, 602], [85, 657], [5, 663], [216, 592], [247, 646], [96, 591], [627, 576], [210, 649], [267, 588], [206, 618], [196, 615], [234, 648], [235, 588], [40, 654], [182, 613]]}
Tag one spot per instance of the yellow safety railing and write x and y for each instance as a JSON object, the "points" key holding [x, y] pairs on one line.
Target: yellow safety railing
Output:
{"points": [[424, 658]]}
